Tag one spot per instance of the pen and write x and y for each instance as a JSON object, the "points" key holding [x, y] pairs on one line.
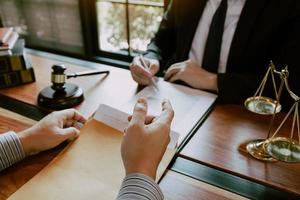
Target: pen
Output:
{"points": [[145, 66]]}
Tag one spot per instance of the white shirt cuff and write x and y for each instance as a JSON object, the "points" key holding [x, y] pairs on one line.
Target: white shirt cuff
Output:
{"points": [[139, 187]]}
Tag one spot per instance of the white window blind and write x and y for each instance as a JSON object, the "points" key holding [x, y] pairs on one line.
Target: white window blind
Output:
{"points": [[53, 24]]}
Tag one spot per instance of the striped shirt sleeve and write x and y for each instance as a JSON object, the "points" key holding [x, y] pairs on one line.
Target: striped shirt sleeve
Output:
{"points": [[11, 150], [139, 187]]}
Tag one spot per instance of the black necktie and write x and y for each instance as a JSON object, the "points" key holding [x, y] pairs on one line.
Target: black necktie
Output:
{"points": [[212, 51]]}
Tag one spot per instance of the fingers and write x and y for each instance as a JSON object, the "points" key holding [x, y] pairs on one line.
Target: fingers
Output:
{"points": [[154, 68], [167, 114], [139, 70], [171, 72], [176, 77], [69, 133], [139, 112], [140, 80], [71, 114], [140, 73], [149, 119], [72, 123]]}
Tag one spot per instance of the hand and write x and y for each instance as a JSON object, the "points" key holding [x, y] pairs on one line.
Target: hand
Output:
{"points": [[146, 139], [193, 75], [51, 131], [140, 74]]}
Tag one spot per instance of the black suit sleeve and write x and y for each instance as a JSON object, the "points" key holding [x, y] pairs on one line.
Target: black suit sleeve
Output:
{"points": [[163, 46]]}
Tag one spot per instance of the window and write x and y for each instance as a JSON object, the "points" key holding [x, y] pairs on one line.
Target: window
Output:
{"points": [[52, 24], [105, 31], [127, 26]]}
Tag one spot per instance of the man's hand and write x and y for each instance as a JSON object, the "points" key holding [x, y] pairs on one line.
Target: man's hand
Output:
{"points": [[141, 75], [51, 131], [193, 75], [146, 139]]}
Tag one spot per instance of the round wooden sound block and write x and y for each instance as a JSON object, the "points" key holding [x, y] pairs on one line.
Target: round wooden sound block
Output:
{"points": [[51, 99]]}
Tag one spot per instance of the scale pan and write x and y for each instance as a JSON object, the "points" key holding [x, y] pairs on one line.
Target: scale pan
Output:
{"points": [[284, 149], [262, 105]]}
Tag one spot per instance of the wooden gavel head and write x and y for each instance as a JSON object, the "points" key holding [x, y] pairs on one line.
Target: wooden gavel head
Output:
{"points": [[60, 95], [58, 77]]}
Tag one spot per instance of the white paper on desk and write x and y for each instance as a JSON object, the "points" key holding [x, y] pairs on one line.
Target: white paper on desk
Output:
{"points": [[119, 120], [189, 106]]}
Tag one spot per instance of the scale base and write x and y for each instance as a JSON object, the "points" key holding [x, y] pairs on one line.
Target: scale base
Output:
{"points": [[256, 149], [51, 99]]}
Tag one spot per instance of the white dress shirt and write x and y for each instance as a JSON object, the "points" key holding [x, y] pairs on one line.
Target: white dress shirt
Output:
{"points": [[232, 17]]}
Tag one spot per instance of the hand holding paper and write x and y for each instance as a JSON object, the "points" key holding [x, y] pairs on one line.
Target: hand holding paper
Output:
{"points": [[146, 139]]}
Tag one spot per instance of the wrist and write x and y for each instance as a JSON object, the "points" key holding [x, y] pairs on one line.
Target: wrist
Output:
{"points": [[149, 171], [213, 82], [26, 142]]}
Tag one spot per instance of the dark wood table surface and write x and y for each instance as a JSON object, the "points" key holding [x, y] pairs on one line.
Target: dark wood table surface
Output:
{"points": [[220, 143], [116, 87], [17, 175], [173, 185], [180, 187]]}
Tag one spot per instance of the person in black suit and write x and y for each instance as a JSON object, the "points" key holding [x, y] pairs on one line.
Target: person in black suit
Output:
{"points": [[254, 32]]}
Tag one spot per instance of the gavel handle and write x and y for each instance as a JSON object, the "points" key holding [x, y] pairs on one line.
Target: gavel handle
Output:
{"points": [[86, 73]]}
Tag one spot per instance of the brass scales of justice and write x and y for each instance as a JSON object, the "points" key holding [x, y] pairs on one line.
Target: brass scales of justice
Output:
{"points": [[275, 147]]}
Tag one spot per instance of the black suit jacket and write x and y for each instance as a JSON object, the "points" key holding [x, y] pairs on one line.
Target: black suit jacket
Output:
{"points": [[267, 30]]}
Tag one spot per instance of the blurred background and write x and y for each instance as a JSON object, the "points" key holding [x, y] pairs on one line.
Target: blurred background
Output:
{"points": [[106, 31]]}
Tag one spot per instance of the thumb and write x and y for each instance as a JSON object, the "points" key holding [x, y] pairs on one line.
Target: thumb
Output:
{"points": [[153, 68], [69, 133], [139, 112]]}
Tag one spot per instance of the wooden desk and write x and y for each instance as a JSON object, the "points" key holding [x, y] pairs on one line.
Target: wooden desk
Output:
{"points": [[117, 88], [14, 177], [218, 144], [225, 123], [180, 187], [174, 185], [98, 89]]}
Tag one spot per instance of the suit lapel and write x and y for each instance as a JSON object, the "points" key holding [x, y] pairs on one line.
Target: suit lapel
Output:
{"points": [[244, 28], [191, 12]]}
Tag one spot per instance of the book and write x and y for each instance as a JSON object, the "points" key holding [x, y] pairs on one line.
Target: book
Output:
{"points": [[9, 44], [5, 32], [14, 59], [15, 78]]}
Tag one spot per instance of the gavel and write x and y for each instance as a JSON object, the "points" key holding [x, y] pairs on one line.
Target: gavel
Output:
{"points": [[58, 76], [61, 95]]}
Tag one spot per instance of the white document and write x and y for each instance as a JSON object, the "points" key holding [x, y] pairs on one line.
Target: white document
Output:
{"points": [[189, 106], [119, 120]]}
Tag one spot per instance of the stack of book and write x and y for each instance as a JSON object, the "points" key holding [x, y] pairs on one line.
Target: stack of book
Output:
{"points": [[15, 68]]}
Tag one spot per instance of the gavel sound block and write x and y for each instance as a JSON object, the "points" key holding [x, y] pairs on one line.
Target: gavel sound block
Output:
{"points": [[61, 95]]}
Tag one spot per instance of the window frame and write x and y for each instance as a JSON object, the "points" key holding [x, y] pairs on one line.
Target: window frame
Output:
{"points": [[88, 12], [89, 26]]}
